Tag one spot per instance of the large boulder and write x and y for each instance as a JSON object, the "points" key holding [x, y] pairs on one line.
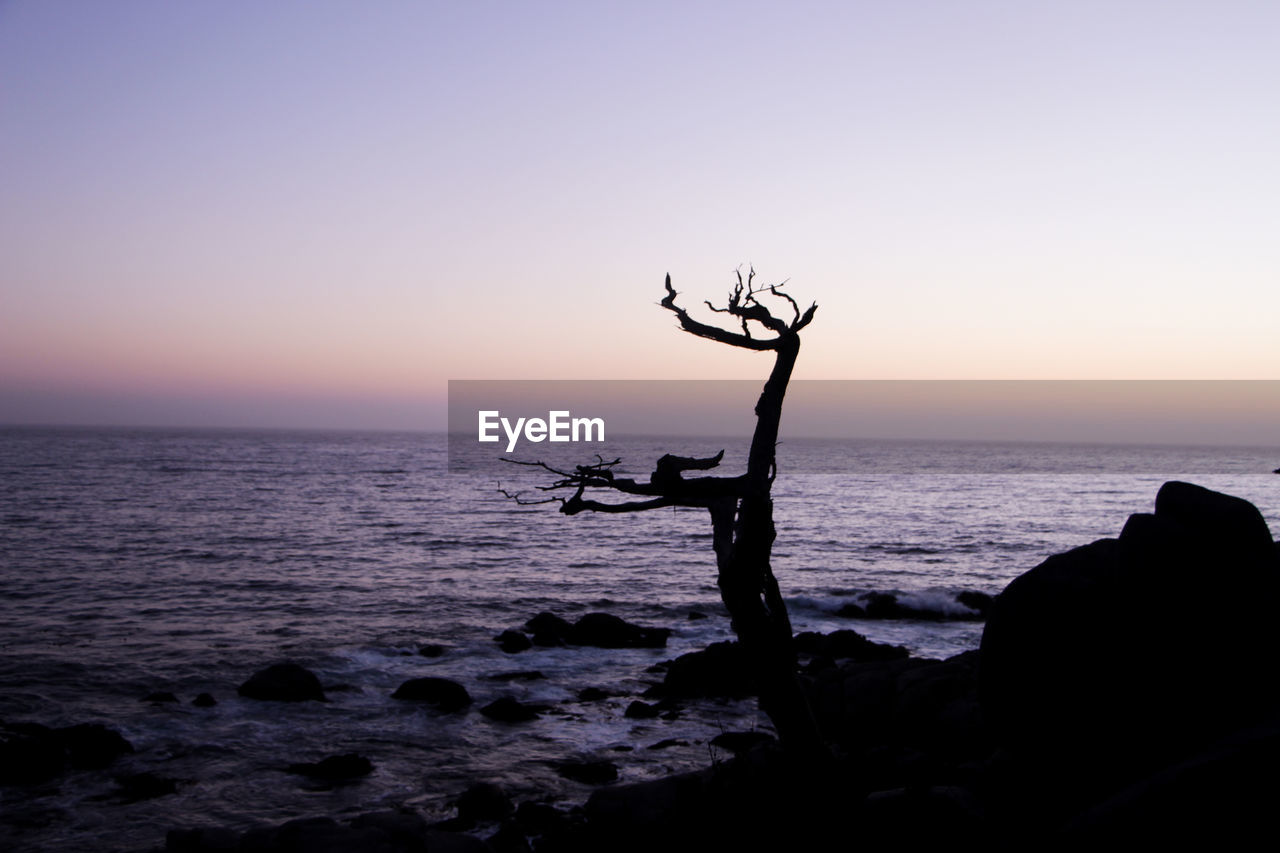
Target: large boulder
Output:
{"points": [[1131, 653], [283, 682]]}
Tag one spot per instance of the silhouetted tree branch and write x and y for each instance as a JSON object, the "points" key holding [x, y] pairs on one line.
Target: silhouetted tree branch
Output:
{"points": [[741, 507]]}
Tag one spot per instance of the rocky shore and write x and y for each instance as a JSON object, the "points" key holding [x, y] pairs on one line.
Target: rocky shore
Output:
{"points": [[1122, 692]]}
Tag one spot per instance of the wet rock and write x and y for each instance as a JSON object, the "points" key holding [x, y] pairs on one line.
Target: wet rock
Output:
{"points": [[447, 696], [588, 772], [92, 745], [548, 629], [512, 642], [736, 742], [606, 631], [667, 743], [283, 682], [540, 818], [31, 753], [483, 802], [204, 700], [510, 710], [334, 768], [431, 650], [143, 786], [202, 840], [160, 697], [695, 615], [979, 602], [520, 675], [592, 694], [721, 669], [846, 645], [638, 710]]}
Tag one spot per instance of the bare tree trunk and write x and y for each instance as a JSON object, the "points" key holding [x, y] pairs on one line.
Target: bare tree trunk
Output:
{"points": [[747, 584]]}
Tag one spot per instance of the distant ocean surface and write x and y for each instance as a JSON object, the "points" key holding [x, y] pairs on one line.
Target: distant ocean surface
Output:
{"points": [[134, 561]]}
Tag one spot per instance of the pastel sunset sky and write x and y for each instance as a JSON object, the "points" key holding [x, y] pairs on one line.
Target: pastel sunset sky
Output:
{"points": [[317, 213]]}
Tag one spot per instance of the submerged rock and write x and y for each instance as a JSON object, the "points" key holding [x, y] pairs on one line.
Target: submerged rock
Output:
{"points": [[510, 710], [334, 768], [204, 700], [283, 682], [588, 772], [448, 696]]}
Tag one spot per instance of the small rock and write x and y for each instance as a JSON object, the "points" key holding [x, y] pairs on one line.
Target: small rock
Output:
{"points": [[668, 743], [143, 786], [283, 682], [160, 697], [592, 694], [510, 710], [513, 641], [588, 772], [638, 710], [431, 650], [335, 768], [520, 675], [604, 630], [737, 742], [204, 700], [448, 696], [484, 801]]}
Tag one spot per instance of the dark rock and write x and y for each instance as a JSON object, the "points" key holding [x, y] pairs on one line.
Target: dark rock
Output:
{"points": [[588, 772], [512, 642], [404, 829], [510, 710], [540, 818], [883, 605], [1127, 654], [852, 611], [509, 839], [736, 742], [160, 697], [92, 746], [548, 629], [696, 614], [202, 840], [638, 710], [667, 743], [448, 696], [979, 602], [846, 645], [483, 802], [283, 682], [604, 630], [335, 768], [204, 700], [431, 650], [721, 669], [143, 786], [592, 694], [521, 675]]}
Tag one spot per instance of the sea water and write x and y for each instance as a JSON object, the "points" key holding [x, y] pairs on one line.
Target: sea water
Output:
{"points": [[134, 561]]}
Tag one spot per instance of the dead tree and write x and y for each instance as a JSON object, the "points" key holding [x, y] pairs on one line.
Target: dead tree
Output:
{"points": [[741, 507]]}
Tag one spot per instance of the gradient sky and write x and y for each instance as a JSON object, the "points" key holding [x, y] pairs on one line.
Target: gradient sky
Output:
{"points": [[315, 213]]}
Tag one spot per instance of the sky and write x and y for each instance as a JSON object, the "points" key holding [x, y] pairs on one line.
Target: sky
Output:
{"points": [[318, 213]]}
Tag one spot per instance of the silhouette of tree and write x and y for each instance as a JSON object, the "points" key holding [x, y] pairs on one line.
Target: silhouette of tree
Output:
{"points": [[741, 507]]}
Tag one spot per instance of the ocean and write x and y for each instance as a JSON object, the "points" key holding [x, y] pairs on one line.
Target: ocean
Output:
{"points": [[135, 561]]}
